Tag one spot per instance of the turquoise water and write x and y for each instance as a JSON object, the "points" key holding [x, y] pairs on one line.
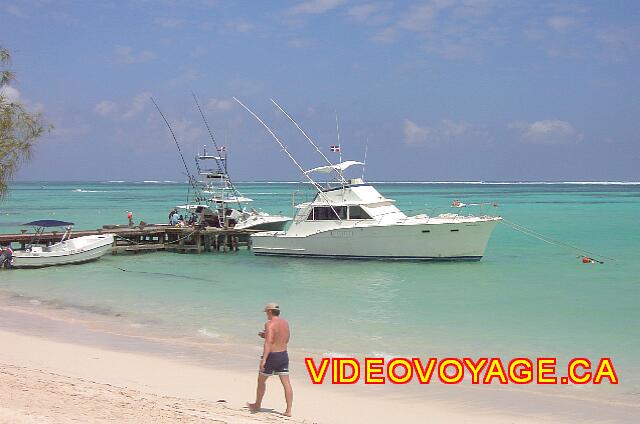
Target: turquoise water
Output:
{"points": [[525, 298]]}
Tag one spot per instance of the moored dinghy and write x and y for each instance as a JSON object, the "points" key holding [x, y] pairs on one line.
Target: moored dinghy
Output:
{"points": [[66, 251]]}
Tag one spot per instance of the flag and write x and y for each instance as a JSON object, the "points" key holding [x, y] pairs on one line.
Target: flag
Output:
{"points": [[222, 149], [335, 148]]}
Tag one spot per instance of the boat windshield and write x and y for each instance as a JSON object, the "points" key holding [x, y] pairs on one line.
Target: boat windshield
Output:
{"points": [[356, 212], [328, 213]]}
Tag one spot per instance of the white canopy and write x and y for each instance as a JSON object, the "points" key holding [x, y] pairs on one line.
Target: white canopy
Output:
{"points": [[337, 167], [232, 199], [192, 207]]}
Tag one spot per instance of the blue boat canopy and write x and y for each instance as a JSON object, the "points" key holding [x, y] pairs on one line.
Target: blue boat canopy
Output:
{"points": [[47, 223]]}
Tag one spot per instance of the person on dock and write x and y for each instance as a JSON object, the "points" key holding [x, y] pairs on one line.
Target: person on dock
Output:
{"points": [[6, 255], [171, 213], [275, 359], [130, 218], [175, 218]]}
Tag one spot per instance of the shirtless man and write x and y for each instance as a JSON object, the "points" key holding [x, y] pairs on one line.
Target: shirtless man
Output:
{"points": [[275, 360]]}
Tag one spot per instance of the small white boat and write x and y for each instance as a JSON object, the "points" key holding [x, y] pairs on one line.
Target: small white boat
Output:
{"points": [[71, 251], [67, 251]]}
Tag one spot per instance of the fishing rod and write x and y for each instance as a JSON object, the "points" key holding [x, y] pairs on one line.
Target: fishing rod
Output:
{"points": [[215, 144], [342, 180], [173, 134], [284, 148]]}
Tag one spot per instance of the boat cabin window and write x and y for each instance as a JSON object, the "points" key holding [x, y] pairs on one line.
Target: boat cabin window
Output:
{"points": [[356, 212], [327, 213]]}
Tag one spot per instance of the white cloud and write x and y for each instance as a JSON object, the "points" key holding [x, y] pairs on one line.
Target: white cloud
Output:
{"points": [[298, 43], [104, 108], [126, 54], [446, 130], [619, 42], [415, 134], [108, 108], [561, 23], [369, 13], [453, 29], [421, 17], [313, 7], [185, 77], [449, 128], [10, 94], [169, 22], [188, 132], [549, 131], [386, 36], [220, 105], [240, 25], [15, 11], [138, 104]]}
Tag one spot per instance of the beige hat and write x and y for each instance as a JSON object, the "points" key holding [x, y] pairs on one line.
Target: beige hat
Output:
{"points": [[271, 306]]}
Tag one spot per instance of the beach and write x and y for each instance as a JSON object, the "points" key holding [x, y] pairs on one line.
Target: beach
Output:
{"points": [[104, 379]]}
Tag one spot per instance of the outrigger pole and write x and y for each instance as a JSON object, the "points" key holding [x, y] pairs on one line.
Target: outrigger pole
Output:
{"points": [[191, 179], [340, 175], [315, 185]]}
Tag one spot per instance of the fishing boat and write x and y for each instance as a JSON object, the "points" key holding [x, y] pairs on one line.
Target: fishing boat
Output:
{"points": [[353, 220], [66, 251], [356, 221], [219, 203]]}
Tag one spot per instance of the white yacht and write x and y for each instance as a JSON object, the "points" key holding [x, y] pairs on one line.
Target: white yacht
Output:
{"points": [[355, 221]]}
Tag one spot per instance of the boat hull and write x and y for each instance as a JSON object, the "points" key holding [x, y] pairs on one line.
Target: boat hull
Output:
{"points": [[83, 249], [262, 223], [422, 242]]}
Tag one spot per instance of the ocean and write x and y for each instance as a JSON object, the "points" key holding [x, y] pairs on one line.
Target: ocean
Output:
{"points": [[526, 297]]}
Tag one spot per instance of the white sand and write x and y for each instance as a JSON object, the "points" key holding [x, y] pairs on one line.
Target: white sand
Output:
{"points": [[43, 380], [46, 381]]}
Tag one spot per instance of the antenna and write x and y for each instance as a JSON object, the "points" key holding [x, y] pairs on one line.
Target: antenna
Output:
{"points": [[338, 132], [222, 164], [206, 124], [315, 185], [364, 166], [310, 141]]}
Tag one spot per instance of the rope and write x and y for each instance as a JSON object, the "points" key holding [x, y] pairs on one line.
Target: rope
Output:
{"points": [[549, 240], [163, 274]]}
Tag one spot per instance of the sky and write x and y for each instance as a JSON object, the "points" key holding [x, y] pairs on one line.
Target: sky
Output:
{"points": [[439, 90]]}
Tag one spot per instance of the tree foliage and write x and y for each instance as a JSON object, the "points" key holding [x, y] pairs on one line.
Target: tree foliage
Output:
{"points": [[19, 128]]}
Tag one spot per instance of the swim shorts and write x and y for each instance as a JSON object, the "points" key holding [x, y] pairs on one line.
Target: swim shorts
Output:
{"points": [[277, 363]]}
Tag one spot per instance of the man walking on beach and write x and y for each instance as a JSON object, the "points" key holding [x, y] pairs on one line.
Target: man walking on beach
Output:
{"points": [[275, 360]]}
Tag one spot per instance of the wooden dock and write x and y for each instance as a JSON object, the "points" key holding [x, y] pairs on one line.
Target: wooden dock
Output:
{"points": [[148, 238]]}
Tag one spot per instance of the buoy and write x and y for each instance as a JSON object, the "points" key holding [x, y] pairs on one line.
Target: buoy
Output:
{"points": [[586, 260]]}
